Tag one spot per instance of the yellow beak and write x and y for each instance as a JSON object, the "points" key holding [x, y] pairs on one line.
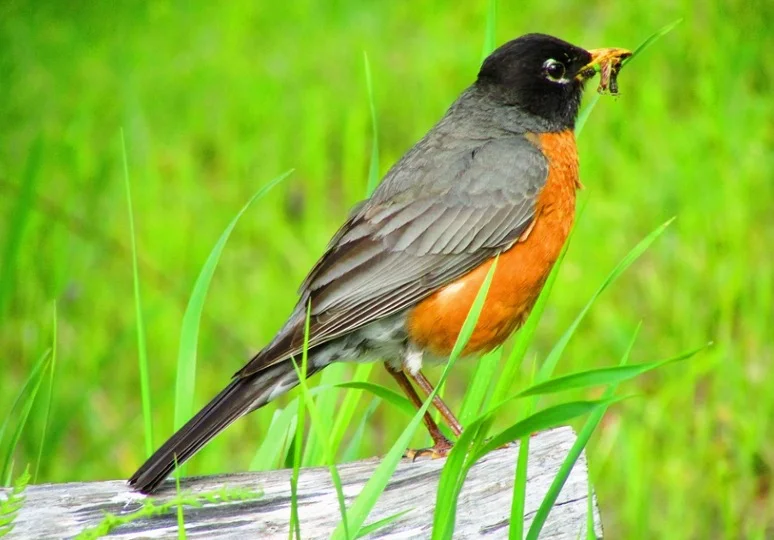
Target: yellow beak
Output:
{"points": [[602, 59]]}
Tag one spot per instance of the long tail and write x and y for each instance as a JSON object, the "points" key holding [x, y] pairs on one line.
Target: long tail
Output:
{"points": [[243, 395]]}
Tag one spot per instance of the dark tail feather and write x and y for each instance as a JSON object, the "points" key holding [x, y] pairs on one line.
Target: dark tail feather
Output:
{"points": [[238, 398]]}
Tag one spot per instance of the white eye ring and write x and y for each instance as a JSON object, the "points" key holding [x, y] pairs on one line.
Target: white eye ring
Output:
{"points": [[554, 70]]}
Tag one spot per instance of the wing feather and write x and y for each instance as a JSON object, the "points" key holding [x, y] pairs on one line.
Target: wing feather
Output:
{"points": [[419, 232]]}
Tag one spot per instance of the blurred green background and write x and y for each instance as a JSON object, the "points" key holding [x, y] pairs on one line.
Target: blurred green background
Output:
{"points": [[218, 98]]}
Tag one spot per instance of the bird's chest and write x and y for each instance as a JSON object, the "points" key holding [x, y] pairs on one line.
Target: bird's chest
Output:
{"points": [[521, 271], [555, 207]]}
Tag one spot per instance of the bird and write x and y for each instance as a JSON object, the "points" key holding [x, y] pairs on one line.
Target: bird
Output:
{"points": [[495, 178]]}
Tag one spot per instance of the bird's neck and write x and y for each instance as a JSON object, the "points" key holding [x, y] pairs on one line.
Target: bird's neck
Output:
{"points": [[486, 112]]}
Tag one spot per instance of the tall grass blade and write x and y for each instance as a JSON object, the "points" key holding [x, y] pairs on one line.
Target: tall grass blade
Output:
{"points": [[278, 440], [26, 398], [317, 440], [353, 448], [572, 457], [584, 115], [483, 377], [382, 523], [50, 396], [527, 331], [276, 437], [319, 426], [142, 350], [459, 461], [490, 35], [179, 510], [367, 498], [390, 396], [349, 405], [586, 112], [516, 530], [546, 419], [17, 223], [553, 357], [652, 39], [189, 334], [591, 378], [298, 443], [373, 170], [602, 376], [452, 476]]}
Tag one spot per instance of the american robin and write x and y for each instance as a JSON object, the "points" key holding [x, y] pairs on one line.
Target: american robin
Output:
{"points": [[497, 175]]}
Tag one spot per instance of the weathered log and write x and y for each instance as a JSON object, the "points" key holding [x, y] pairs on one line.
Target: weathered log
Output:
{"points": [[64, 510]]}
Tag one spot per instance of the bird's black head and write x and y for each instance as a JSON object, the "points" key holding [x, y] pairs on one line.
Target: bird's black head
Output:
{"points": [[542, 75]]}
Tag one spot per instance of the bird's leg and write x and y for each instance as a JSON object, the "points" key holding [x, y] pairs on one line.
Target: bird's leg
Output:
{"points": [[446, 413], [441, 445]]}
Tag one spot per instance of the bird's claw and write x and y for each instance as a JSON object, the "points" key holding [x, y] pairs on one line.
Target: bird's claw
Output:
{"points": [[440, 450]]}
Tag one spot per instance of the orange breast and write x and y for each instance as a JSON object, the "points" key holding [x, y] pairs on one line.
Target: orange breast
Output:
{"points": [[434, 324]]}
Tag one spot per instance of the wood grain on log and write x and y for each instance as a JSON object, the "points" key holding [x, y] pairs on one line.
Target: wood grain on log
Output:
{"points": [[64, 510]]}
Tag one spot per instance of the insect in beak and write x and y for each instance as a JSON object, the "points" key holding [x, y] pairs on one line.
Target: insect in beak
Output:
{"points": [[609, 62]]}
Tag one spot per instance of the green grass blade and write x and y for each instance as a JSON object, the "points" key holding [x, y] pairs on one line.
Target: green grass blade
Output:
{"points": [[602, 376], [475, 394], [572, 456], [525, 335], [317, 439], [522, 342], [452, 476], [462, 457], [279, 438], [540, 421], [349, 406], [28, 394], [376, 525], [390, 396], [584, 115], [142, 349], [50, 396], [586, 379], [367, 498], [516, 529], [553, 357], [319, 426], [471, 319], [586, 112], [189, 334], [490, 36], [651, 40], [295, 522], [352, 451], [179, 507], [365, 502], [373, 169], [274, 442], [17, 223]]}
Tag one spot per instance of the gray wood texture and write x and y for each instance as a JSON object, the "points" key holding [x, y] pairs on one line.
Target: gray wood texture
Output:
{"points": [[64, 510]]}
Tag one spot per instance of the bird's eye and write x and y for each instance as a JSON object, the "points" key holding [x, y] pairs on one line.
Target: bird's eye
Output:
{"points": [[553, 69]]}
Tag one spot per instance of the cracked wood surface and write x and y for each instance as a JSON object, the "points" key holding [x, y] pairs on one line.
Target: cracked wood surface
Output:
{"points": [[64, 510]]}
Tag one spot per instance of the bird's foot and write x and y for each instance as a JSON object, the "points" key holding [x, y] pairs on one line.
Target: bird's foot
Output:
{"points": [[440, 449]]}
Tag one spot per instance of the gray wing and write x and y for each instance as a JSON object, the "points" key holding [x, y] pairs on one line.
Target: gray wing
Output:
{"points": [[435, 217]]}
